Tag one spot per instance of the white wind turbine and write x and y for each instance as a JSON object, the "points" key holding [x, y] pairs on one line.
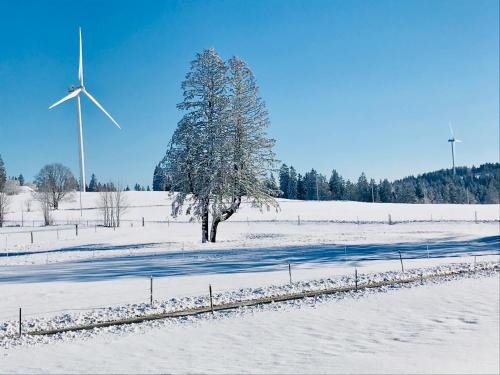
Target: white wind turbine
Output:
{"points": [[75, 92], [452, 140]]}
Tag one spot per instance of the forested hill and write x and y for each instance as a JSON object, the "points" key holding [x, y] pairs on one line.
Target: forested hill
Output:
{"points": [[468, 185]]}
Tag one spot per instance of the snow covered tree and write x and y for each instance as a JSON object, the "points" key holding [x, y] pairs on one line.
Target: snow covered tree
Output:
{"points": [[21, 180], [248, 149], [5, 201], [219, 152], [272, 186], [57, 180], [3, 174], [198, 152]]}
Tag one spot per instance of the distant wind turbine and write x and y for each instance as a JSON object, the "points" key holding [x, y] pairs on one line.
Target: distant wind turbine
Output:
{"points": [[75, 92], [452, 140]]}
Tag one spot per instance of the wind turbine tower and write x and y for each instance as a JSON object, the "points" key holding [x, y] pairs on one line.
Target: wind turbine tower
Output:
{"points": [[74, 92], [452, 141]]}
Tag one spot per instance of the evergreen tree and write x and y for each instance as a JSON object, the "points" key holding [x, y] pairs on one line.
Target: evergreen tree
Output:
{"points": [[385, 191], [337, 186], [284, 177], [374, 197], [93, 187], [292, 183], [363, 189], [3, 174], [21, 180], [301, 188], [272, 185], [350, 191], [158, 177]]}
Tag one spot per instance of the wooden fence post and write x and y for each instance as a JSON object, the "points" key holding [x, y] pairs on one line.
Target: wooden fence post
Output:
{"points": [[390, 219], [475, 217], [356, 278], [143, 221], [151, 290], [401, 259], [211, 302], [31, 237], [20, 323], [298, 220], [76, 229], [290, 272]]}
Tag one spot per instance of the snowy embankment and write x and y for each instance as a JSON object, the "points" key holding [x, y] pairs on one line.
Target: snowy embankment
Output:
{"points": [[323, 289], [449, 327]]}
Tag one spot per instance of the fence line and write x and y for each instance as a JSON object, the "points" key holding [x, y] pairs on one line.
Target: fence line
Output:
{"points": [[256, 301]]}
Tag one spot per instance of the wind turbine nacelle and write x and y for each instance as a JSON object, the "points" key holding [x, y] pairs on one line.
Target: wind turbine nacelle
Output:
{"points": [[72, 88]]}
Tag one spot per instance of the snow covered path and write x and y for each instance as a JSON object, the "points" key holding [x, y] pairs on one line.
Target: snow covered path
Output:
{"points": [[451, 327]]}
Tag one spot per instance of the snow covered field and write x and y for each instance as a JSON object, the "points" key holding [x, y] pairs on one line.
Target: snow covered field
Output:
{"points": [[425, 329]]}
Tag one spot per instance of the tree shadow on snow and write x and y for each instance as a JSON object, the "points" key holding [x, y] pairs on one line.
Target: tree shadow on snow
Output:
{"points": [[220, 261]]}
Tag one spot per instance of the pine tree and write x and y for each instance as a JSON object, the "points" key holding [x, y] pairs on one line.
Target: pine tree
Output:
{"points": [[3, 174], [272, 186], [21, 180], [337, 186], [93, 184], [363, 189], [292, 184], [301, 188], [385, 191], [284, 177], [158, 184]]}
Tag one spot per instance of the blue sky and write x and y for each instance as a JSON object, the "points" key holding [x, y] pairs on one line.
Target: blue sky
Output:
{"points": [[352, 85]]}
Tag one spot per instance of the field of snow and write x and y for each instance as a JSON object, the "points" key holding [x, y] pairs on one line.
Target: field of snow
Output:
{"points": [[62, 273]]}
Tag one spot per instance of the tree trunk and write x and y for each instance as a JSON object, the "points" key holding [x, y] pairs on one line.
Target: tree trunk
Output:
{"points": [[204, 224], [226, 214], [213, 230]]}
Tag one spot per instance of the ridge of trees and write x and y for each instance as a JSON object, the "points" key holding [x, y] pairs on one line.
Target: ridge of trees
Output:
{"points": [[468, 185]]}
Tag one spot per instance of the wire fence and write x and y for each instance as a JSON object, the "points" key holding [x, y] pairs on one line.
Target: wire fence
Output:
{"points": [[211, 304], [17, 233], [151, 296]]}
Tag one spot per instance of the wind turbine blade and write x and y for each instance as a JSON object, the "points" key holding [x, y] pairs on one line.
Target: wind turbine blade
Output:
{"points": [[80, 62], [451, 130], [72, 94], [458, 140], [100, 107]]}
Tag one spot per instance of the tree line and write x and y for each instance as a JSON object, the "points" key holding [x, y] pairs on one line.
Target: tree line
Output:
{"points": [[468, 185]]}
